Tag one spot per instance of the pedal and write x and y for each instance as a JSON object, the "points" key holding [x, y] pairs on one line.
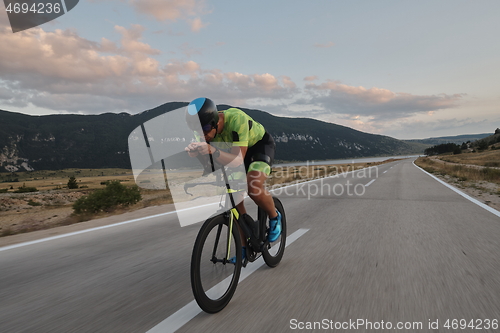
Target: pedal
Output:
{"points": [[252, 255]]}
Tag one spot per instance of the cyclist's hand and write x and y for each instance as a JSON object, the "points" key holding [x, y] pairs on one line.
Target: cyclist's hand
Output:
{"points": [[192, 149], [204, 148], [196, 148]]}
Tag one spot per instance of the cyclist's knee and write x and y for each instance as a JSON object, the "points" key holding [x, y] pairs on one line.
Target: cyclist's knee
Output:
{"points": [[260, 166], [256, 182]]}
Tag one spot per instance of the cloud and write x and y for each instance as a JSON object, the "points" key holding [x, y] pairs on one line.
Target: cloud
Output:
{"points": [[62, 56], [62, 71], [197, 25], [378, 103], [130, 40], [311, 78], [326, 45], [172, 10]]}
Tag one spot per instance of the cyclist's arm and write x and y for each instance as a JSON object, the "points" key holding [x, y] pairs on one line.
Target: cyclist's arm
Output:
{"points": [[233, 158]]}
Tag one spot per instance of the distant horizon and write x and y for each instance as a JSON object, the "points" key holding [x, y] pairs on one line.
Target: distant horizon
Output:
{"points": [[253, 108]]}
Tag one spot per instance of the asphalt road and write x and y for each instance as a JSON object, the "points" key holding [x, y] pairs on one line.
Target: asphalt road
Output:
{"points": [[404, 250]]}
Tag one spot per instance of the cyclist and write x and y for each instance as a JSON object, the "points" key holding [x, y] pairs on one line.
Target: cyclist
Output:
{"points": [[251, 145]]}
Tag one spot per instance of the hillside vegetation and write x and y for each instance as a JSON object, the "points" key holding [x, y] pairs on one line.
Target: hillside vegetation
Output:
{"points": [[58, 142], [476, 167]]}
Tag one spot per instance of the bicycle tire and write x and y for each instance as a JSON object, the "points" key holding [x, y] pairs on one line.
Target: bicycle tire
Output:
{"points": [[273, 253], [214, 283]]}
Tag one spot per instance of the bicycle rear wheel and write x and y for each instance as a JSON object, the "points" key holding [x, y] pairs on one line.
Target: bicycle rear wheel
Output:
{"points": [[273, 252], [213, 277]]}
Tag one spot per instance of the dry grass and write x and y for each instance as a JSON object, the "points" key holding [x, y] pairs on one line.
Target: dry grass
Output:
{"points": [[39, 211], [489, 158], [461, 172], [51, 206], [45, 180]]}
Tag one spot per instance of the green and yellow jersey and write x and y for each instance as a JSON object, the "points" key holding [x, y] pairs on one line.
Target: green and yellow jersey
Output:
{"points": [[240, 129]]}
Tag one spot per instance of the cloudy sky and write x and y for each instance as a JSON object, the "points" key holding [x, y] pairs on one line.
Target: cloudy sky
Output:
{"points": [[408, 69]]}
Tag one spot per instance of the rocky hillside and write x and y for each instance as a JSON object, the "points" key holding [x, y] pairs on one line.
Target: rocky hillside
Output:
{"points": [[100, 141]]}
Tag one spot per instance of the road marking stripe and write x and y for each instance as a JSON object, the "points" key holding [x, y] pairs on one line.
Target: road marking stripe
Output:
{"points": [[15, 246], [191, 310], [370, 182], [477, 202], [42, 240], [385, 171]]}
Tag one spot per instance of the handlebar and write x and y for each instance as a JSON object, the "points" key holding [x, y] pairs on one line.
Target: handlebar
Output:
{"points": [[240, 186]]}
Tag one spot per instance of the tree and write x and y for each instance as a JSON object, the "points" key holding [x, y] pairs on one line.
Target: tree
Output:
{"points": [[441, 149], [497, 131], [457, 150], [482, 145], [72, 183]]}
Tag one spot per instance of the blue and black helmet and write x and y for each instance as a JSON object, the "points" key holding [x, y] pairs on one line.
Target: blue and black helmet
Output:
{"points": [[202, 111]]}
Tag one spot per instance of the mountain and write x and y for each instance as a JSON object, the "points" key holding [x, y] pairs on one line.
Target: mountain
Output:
{"points": [[101, 141], [458, 139], [483, 143], [303, 139]]}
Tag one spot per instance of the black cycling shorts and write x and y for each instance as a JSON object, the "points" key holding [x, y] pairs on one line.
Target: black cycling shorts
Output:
{"points": [[260, 157]]}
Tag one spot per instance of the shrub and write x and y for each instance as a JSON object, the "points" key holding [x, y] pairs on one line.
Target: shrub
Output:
{"points": [[72, 183], [4, 190], [115, 194], [26, 189], [482, 145]]}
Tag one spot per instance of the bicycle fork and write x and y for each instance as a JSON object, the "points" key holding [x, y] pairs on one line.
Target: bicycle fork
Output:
{"points": [[232, 214]]}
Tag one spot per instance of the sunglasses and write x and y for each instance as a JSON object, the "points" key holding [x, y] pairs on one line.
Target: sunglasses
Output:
{"points": [[207, 128]]}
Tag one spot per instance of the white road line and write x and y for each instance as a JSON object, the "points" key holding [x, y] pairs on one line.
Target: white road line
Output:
{"points": [[477, 202], [191, 310], [385, 171], [10, 247], [5, 248], [370, 182]]}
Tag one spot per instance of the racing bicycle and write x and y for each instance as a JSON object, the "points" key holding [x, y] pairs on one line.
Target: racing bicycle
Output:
{"points": [[217, 258]]}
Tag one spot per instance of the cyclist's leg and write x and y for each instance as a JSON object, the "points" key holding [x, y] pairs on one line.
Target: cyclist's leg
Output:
{"points": [[258, 193], [258, 161]]}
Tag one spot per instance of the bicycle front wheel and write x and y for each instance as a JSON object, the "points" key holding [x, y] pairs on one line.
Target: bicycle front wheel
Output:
{"points": [[215, 264]]}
